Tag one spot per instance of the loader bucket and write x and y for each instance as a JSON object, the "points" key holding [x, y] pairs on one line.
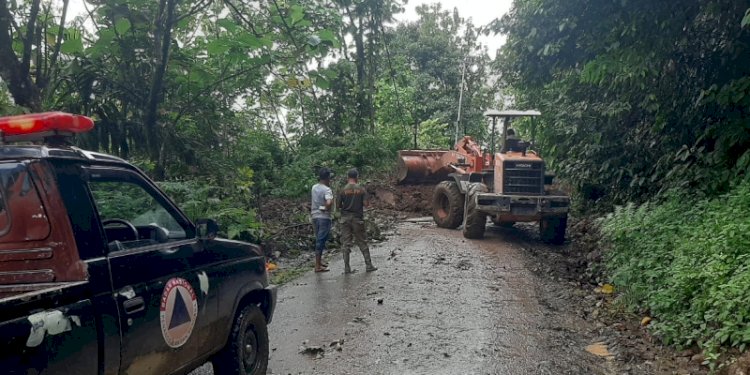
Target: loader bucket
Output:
{"points": [[422, 166]]}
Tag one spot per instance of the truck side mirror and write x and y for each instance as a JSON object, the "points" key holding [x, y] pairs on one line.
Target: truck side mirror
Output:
{"points": [[207, 229]]}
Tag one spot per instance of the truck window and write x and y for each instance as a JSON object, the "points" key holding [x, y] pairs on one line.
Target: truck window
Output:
{"points": [[132, 217], [22, 214]]}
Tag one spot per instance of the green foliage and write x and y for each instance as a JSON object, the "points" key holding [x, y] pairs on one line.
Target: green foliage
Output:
{"points": [[436, 48], [369, 153], [7, 107], [433, 134], [229, 207], [686, 261], [638, 97]]}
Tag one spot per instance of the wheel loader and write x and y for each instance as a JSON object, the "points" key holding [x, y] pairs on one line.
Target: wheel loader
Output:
{"points": [[508, 186]]}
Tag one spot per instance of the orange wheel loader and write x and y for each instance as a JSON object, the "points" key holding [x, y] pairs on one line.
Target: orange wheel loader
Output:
{"points": [[508, 186]]}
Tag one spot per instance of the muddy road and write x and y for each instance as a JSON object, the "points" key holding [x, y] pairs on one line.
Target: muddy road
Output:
{"points": [[439, 304]]}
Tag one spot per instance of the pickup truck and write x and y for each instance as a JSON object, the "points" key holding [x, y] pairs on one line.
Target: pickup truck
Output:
{"points": [[101, 273]]}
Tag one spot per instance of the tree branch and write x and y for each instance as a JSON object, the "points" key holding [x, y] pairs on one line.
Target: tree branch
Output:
{"points": [[52, 71], [30, 28], [203, 4]]}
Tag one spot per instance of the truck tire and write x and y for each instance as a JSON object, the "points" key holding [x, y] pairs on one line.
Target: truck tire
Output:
{"points": [[246, 352], [502, 224], [448, 205], [552, 229], [475, 221]]}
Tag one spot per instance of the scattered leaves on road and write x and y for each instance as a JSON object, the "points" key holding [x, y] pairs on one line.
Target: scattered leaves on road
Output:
{"points": [[599, 349]]}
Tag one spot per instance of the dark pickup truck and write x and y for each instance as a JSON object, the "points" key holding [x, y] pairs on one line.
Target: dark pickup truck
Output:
{"points": [[101, 273]]}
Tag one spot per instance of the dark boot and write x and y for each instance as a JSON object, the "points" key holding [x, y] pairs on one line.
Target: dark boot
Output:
{"points": [[347, 268], [368, 261]]}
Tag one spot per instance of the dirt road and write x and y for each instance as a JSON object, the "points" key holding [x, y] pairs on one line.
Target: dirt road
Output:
{"points": [[438, 305]]}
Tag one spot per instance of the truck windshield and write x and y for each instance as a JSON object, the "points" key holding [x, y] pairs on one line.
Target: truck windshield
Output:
{"points": [[22, 214]]}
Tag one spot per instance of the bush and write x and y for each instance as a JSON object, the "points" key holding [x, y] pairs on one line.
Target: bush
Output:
{"points": [[686, 261], [369, 153], [229, 207]]}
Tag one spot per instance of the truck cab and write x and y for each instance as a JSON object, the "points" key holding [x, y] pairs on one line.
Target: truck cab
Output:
{"points": [[101, 273]]}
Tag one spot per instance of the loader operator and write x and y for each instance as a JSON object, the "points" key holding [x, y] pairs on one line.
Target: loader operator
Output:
{"points": [[512, 142], [352, 200]]}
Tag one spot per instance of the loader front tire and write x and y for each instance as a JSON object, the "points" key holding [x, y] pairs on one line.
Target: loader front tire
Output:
{"points": [[448, 205], [552, 229], [475, 221]]}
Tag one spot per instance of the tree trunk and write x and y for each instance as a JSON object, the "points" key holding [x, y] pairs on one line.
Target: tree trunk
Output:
{"points": [[162, 37], [25, 93]]}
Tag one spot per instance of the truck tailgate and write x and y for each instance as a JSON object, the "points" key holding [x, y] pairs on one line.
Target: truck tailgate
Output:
{"points": [[49, 331]]}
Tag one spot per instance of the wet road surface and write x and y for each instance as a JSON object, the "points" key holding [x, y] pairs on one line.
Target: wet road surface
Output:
{"points": [[439, 304]]}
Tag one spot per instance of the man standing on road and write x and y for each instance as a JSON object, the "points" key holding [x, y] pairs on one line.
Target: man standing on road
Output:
{"points": [[322, 200], [352, 200]]}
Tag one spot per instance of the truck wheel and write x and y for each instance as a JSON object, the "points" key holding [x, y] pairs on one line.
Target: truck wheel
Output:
{"points": [[448, 205], [552, 229], [502, 224], [246, 352], [474, 220]]}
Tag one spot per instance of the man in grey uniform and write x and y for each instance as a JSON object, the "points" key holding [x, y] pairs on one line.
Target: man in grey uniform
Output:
{"points": [[322, 201]]}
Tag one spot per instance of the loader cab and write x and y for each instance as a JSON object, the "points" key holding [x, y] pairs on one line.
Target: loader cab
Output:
{"points": [[509, 142], [518, 170]]}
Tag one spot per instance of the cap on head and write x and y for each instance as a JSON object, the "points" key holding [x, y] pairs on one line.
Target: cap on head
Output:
{"points": [[325, 174], [353, 173]]}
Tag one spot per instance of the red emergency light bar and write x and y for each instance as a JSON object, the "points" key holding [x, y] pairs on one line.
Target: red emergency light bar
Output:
{"points": [[44, 124]]}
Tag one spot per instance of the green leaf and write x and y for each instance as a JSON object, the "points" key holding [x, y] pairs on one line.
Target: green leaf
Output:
{"points": [[252, 41], [72, 46], [217, 47], [17, 46], [106, 36], [122, 25], [327, 35], [746, 19], [227, 24], [297, 13], [323, 83]]}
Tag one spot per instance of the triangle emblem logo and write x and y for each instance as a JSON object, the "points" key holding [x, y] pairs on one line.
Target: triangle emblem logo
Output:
{"points": [[178, 311], [180, 314]]}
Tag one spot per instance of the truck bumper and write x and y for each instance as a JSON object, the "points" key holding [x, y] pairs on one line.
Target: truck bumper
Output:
{"points": [[272, 291], [523, 208]]}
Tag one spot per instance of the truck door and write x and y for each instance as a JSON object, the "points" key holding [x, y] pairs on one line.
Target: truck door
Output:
{"points": [[162, 294]]}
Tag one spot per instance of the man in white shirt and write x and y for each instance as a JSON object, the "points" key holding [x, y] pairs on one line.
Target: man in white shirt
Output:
{"points": [[322, 201]]}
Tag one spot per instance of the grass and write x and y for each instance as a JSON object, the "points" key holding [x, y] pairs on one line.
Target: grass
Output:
{"points": [[281, 277]]}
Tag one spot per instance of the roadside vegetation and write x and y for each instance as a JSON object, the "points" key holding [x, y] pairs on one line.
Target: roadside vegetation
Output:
{"points": [[646, 107], [686, 261]]}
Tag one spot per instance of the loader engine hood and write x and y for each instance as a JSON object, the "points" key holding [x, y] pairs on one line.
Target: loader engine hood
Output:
{"points": [[519, 174]]}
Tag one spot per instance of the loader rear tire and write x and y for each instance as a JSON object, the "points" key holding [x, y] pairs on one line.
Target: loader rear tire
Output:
{"points": [[552, 229], [475, 221], [448, 205]]}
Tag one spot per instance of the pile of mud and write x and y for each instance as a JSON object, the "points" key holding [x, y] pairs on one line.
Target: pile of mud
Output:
{"points": [[413, 199]]}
